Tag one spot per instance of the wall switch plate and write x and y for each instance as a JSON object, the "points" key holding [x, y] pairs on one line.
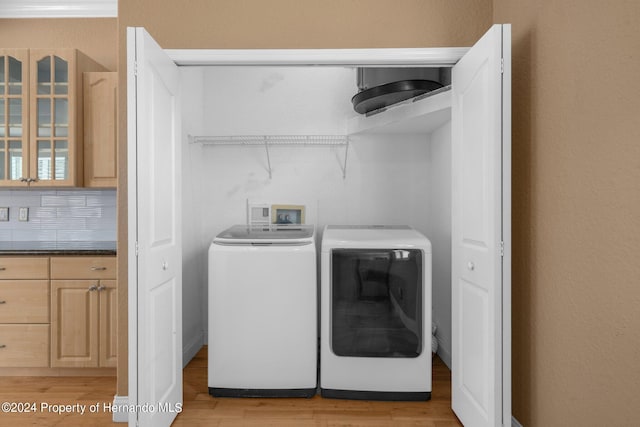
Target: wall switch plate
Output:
{"points": [[23, 214], [4, 214]]}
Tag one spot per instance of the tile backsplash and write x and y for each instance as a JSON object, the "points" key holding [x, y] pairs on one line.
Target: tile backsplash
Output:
{"points": [[59, 215]]}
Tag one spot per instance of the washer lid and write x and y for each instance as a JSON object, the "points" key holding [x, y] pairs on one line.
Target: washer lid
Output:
{"points": [[276, 234]]}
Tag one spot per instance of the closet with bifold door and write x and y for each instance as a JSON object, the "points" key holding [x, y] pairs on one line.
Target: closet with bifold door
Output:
{"points": [[213, 130]]}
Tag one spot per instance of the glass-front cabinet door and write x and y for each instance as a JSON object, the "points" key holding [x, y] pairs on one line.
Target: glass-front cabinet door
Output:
{"points": [[14, 106], [53, 135]]}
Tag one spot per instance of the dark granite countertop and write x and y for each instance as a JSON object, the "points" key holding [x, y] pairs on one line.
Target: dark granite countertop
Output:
{"points": [[57, 248]]}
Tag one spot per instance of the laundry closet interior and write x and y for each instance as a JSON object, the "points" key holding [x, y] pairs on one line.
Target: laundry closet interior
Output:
{"points": [[289, 135]]}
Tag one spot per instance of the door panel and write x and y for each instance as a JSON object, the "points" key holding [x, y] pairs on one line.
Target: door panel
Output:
{"points": [[479, 376], [108, 323], [74, 323], [154, 184]]}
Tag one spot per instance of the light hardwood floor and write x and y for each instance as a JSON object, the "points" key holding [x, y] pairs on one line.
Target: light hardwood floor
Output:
{"points": [[200, 409]]}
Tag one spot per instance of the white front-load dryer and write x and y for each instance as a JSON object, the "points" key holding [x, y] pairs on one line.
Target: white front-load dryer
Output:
{"points": [[375, 312], [263, 312]]}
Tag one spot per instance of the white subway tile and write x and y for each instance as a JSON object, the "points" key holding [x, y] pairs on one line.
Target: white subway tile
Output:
{"points": [[72, 200], [33, 235]]}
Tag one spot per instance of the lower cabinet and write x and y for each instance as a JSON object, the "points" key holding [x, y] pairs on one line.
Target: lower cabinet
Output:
{"points": [[83, 313], [57, 312], [24, 312], [24, 346]]}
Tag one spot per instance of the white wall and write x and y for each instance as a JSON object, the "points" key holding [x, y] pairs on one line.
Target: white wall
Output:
{"points": [[383, 174], [439, 232], [388, 177], [193, 246]]}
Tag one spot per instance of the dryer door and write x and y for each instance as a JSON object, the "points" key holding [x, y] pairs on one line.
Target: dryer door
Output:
{"points": [[377, 303]]}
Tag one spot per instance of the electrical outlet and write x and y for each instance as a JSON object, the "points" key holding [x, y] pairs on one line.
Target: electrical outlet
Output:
{"points": [[23, 214], [4, 214]]}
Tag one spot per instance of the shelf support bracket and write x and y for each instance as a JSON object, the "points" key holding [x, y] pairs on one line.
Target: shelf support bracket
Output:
{"points": [[346, 152], [266, 148]]}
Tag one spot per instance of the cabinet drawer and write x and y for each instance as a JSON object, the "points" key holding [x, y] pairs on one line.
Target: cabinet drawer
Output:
{"points": [[24, 268], [24, 301], [24, 346], [83, 267]]}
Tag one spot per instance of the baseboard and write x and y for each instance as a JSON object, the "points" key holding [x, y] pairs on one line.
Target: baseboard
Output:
{"points": [[120, 416], [514, 422], [445, 355], [191, 348]]}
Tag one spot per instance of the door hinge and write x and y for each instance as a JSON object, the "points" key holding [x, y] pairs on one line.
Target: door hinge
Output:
{"points": [[135, 68], [502, 249], [501, 65], [136, 248]]}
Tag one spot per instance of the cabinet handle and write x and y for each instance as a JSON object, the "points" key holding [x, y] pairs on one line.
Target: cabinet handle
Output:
{"points": [[3, 268], [3, 302], [93, 288], [101, 288], [98, 268], [3, 345]]}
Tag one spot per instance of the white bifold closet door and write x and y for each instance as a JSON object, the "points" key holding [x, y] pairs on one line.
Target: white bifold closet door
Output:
{"points": [[481, 209], [155, 242]]}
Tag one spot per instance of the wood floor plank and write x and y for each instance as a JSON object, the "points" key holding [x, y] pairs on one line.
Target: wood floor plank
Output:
{"points": [[200, 409]]}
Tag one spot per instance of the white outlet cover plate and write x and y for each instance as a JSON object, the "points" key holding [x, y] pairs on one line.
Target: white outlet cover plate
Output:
{"points": [[23, 214], [4, 214]]}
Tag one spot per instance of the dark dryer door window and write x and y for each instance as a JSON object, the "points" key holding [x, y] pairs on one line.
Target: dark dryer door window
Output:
{"points": [[376, 302]]}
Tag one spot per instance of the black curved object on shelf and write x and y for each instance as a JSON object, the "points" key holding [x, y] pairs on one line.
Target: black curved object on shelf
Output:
{"points": [[391, 93]]}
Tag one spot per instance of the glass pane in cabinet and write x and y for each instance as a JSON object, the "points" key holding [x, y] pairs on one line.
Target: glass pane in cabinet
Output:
{"points": [[44, 117], [61, 76], [15, 76], [2, 163], [45, 171], [15, 117], [15, 160], [1, 75], [61, 166], [44, 76], [2, 118], [61, 111]]}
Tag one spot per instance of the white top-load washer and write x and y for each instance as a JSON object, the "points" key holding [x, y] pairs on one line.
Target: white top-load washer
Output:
{"points": [[263, 312], [375, 311]]}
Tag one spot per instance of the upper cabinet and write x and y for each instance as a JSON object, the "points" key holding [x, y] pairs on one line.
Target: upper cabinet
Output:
{"points": [[14, 107], [100, 129], [41, 140]]}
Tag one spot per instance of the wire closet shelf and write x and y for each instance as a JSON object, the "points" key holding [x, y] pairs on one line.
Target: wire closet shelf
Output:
{"points": [[267, 141]]}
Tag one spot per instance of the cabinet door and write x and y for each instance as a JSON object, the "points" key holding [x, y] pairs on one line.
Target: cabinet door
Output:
{"points": [[24, 301], [53, 92], [14, 107], [74, 323], [24, 345], [108, 323], [100, 148]]}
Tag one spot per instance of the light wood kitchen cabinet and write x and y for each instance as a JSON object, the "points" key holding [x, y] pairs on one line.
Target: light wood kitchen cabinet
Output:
{"points": [[108, 344], [83, 312], [24, 268], [24, 312], [14, 108], [24, 345], [100, 129], [41, 104]]}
